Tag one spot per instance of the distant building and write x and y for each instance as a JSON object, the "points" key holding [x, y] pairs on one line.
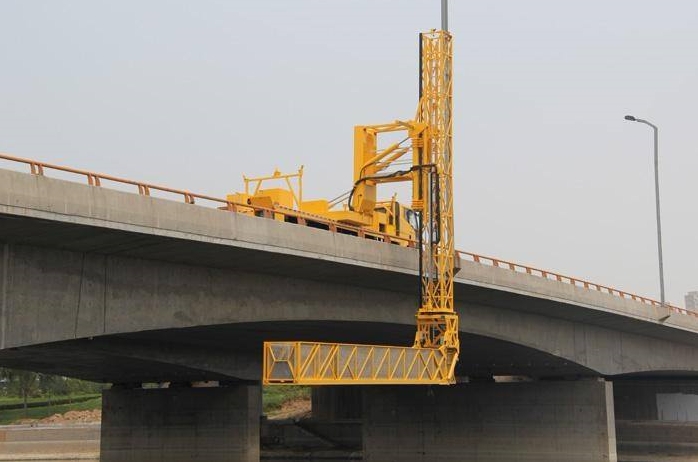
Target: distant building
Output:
{"points": [[692, 300]]}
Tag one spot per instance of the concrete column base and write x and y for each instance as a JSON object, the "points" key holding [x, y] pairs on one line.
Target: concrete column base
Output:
{"points": [[532, 421], [218, 424], [336, 403]]}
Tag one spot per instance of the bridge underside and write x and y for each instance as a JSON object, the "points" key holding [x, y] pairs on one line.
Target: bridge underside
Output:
{"points": [[233, 352]]}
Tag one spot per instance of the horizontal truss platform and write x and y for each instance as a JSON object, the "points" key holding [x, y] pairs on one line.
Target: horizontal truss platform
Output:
{"points": [[310, 363]]}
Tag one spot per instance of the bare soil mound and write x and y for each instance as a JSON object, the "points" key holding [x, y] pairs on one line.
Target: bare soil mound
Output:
{"points": [[69, 417], [292, 409]]}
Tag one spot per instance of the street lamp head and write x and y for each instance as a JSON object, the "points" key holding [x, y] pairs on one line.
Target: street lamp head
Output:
{"points": [[631, 118]]}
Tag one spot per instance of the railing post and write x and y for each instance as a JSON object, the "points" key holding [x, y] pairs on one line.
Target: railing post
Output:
{"points": [[36, 168]]}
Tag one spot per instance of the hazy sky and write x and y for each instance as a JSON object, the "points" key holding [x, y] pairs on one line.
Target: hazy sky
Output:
{"points": [[194, 94]]}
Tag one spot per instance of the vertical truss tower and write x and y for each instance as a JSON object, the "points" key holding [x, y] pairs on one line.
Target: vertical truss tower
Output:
{"points": [[437, 322]]}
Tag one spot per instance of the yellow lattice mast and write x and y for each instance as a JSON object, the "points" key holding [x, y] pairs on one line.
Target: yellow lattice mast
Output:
{"points": [[437, 323], [433, 356]]}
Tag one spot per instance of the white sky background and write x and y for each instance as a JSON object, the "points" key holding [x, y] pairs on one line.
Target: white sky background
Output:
{"points": [[194, 94]]}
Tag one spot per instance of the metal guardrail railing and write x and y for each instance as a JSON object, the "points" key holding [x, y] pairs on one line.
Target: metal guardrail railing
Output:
{"points": [[294, 216], [577, 282], [145, 189]]}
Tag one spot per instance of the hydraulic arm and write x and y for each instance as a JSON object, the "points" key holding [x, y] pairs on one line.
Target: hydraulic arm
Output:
{"points": [[428, 145]]}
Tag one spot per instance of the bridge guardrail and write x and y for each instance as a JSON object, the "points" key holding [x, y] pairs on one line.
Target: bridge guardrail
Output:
{"points": [[294, 216], [577, 282], [145, 189]]}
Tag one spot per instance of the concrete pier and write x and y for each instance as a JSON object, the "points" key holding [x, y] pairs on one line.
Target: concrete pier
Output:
{"points": [[657, 420], [337, 403], [219, 424], [537, 421]]}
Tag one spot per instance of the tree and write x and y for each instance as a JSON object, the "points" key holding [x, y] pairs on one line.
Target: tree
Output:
{"points": [[4, 380], [52, 385], [24, 384]]}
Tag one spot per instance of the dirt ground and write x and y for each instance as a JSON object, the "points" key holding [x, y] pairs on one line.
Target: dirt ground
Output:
{"points": [[293, 409], [68, 417]]}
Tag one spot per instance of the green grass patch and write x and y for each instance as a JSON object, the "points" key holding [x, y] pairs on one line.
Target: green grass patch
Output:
{"points": [[272, 397], [15, 403], [275, 396], [13, 415]]}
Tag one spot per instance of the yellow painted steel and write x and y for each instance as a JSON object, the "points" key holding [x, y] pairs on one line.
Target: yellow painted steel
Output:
{"points": [[308, 363], [385, 217], [437, 322], [429, 140], [296, 193]]}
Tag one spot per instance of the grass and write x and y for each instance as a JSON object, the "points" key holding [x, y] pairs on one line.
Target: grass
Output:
{"points": [[274, 397], [11, 416], [5, 400]]}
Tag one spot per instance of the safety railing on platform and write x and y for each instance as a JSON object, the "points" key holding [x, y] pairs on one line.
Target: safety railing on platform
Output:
{"points": [[294, 216]]}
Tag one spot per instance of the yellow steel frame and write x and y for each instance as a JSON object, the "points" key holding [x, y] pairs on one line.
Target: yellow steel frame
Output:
{"points": [[371, 164], [296, 192], [437, 322], [433, 356], [312, 363]]}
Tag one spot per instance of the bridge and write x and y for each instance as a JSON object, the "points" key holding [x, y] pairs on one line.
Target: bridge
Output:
{"points": [[128, 288]]}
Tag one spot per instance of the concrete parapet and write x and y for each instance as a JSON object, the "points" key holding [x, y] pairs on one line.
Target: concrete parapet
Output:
{"points": [[181, 424], [534, 421]]}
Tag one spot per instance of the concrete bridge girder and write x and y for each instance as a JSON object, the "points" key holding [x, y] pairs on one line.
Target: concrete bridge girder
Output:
{"points": [[124, 304]]}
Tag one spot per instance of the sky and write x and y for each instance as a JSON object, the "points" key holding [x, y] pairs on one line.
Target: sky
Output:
{"points": [[547, 173]]}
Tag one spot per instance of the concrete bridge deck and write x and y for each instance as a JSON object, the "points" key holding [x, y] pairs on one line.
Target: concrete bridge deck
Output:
{"points": [[105, 284]]}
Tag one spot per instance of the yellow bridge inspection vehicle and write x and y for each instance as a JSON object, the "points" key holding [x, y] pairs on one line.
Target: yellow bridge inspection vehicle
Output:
{"points": [[423, 158]]}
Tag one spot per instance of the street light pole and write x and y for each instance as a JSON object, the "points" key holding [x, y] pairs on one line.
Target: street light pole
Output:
{"points": [[444, 14], [656, 192]]}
